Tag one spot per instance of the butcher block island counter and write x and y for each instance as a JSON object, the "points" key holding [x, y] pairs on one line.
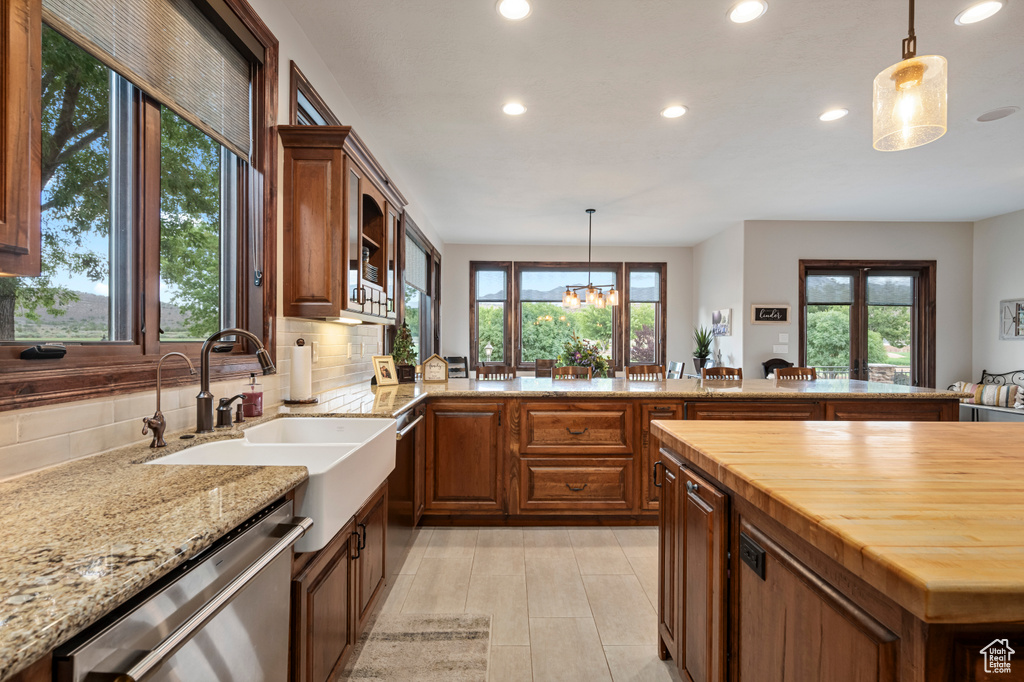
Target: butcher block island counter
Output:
{"points": [[842, 551], [537, 450]]}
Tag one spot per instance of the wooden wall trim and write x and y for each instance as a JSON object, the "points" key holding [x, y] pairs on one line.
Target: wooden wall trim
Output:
{"points": [[297, 83]]}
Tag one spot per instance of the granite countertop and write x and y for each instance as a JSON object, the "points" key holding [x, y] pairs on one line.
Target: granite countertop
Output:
{"points": [[929, 514], [81, 538]]}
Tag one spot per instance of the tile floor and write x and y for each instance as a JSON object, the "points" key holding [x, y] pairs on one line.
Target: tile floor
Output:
{"points": [[566, 603]]}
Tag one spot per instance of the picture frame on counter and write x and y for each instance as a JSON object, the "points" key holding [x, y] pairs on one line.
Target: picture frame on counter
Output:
{"points": [[435, 370], [768, 313], [384, 370]]}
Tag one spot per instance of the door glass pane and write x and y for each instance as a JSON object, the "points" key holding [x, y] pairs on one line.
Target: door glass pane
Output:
{"points": [[890, 331], [190, 231], [828, 340], [84, 291]]}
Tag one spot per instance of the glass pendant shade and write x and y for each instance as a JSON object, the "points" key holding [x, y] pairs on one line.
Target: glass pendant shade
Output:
{"points": [[612, 297], [567, 298], [910, 104], [591, 295], [599, 301]]}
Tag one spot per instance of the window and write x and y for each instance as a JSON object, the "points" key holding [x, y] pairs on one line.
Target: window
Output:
{"points": [[421, 276], [152, 215], [872, 321], [645, 297], [491, 296], [308, 108]]}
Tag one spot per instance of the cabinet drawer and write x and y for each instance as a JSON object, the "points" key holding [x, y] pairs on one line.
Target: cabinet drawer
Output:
{"points": [[569, 485], [593, 428], [773, 410]]}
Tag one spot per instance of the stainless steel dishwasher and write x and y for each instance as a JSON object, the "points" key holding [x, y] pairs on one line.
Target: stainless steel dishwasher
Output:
{"points": [[221, 617]]}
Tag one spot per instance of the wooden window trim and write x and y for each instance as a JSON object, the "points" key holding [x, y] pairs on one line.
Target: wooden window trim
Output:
{"points": [[520, 266], [299, 83], [662, 270], [924, 326], [97, 370], [474, 329], [407, 226]]}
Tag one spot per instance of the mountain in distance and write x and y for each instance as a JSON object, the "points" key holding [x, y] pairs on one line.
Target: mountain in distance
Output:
{"points": [[86, 320]]}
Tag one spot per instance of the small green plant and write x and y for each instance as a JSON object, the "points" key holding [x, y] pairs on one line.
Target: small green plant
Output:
{"points": [[702, 339], [579, 352], [404, 352]]}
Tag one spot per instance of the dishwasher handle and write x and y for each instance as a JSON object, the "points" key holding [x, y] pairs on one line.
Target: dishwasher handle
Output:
{"points": [[404, 432], [155, 658]]}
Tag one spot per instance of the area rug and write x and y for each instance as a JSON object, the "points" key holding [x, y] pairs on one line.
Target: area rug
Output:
{"points": [[425, 648]]}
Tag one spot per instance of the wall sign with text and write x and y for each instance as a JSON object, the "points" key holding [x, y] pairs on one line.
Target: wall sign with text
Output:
{"points": [[769, 314]]}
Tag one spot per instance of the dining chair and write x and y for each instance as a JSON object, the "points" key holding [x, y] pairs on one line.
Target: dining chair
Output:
{"points": [[675, 370], [721, 373], [571, 373], [495, 373], [542, 368], [645, 372], [796, 374]]}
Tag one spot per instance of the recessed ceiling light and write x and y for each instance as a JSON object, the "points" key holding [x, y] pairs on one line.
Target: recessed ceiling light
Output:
{"points": [[514, 9], [833, 114], [748, 10], [979, 11], [674, 111], [996, 114], [513, 108]]}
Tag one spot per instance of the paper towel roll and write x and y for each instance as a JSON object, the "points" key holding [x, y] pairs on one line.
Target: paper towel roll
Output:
{"points": [[301, 379]]}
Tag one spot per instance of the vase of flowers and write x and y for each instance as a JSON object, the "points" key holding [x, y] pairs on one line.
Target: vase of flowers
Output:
{"points": [[579, 352], [702, 339]]}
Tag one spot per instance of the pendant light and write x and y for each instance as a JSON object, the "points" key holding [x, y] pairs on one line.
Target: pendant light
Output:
{"points": [[594, 294], [910, 99]]}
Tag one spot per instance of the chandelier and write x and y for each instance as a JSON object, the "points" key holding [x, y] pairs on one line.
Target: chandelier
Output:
{"points": [[594, 294]]}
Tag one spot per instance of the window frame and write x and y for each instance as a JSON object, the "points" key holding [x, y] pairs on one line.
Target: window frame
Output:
{"points": [[923, 318], [518, 267], [474, 328], [98, 369], [408, 228], [660, 331], [298, 83]]}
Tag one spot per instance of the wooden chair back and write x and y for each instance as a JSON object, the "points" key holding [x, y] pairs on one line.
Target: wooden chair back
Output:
{"points": [[675, 370], [495, 373], [542, 368], [721, 373], [645, 372], [571, 373], [796, 374]]}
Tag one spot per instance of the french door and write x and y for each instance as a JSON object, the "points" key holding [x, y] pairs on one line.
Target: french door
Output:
{"points": [[869, 320]]}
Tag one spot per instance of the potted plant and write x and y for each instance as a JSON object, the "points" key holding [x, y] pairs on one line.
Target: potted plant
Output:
{"points": [[579, 352], [702, 339], [404, 354]]}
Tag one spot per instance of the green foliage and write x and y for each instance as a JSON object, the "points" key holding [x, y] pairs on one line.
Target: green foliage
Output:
{"points": [[828, 338], [577, 352], [491, 330], [404, 352], [892, 323], [702, 339]]}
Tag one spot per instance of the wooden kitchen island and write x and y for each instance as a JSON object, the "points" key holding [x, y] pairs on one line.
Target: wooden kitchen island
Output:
{"points": [[842, 551]]}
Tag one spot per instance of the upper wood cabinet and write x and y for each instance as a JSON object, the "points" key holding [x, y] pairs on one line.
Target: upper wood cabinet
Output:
{"points": [[341, 219], [20, 137]]}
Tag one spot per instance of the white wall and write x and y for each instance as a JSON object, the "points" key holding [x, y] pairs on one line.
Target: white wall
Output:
{"points": [[718, 275], [773, 251], [455, 285], [998, 275]]}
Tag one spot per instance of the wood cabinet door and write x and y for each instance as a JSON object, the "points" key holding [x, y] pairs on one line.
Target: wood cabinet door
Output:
{"points": [[669, 533], [323, 627], [370, 575], [465, 455], [353, 294], [703, 591], [649, 447], [892, 410], [772, 410]]}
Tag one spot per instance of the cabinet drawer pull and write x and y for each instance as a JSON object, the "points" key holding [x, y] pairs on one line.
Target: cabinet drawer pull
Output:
{"points": [[692, 488], [362, 540], [656, 464], [577, 433], [575, 490], [356, 546]]}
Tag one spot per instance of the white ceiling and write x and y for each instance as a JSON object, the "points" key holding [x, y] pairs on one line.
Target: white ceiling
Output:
{"points": [[432, 76]]}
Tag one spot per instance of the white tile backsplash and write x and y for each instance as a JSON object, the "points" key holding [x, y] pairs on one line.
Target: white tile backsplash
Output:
{"points": [[40, 437]]}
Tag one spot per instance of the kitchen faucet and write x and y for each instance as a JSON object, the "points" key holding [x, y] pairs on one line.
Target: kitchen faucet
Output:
{"points": [[157, 423], [204, 401]]}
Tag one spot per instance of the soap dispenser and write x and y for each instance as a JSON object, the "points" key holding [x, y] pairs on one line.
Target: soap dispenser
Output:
{"points": [[252, 403]]}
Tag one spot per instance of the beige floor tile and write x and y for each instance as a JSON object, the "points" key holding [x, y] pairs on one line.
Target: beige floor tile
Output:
{"points": [[554, 588], [547, 542], [398, 593], [419, 546], [503, 597], [623, 613], [645, 568], [567, 650], [510, 664], [597, 552], [639, 664], [499, 551], [637, 540], [439, 586], [452, 543]]}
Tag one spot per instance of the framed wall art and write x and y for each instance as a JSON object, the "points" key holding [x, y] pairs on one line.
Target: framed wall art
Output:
{"points": [[1011, 319], [769, 314]]}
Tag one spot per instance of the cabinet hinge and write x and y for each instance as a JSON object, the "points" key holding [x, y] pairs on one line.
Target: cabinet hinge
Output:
{"points": [[499, 417]]}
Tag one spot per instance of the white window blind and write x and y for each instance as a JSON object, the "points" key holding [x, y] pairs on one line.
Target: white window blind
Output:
{"points": [[415, 265], [170, 50]]}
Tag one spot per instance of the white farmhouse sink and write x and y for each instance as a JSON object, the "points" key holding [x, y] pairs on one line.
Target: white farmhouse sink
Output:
{"points": [[342, 472]]}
